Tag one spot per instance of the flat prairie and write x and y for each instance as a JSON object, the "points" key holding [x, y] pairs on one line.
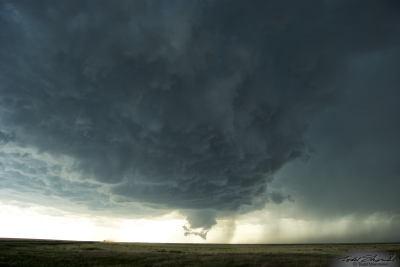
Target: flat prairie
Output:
{"points": [[33, 252]]}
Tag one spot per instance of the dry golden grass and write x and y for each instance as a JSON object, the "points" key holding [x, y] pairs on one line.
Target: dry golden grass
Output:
{"points": [[25, 252]]}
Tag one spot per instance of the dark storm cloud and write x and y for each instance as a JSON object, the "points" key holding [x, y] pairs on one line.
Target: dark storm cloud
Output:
{"points": [[5, 138], [179, 104], [355, 169], [199, 219], [278, 197]]}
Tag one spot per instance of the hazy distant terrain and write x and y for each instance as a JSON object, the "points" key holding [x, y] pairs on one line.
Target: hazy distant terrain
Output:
{"points": [[25, 252]]}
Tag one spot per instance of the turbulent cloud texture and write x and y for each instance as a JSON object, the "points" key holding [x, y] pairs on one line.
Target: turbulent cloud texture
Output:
{"points": [[189, 105]]}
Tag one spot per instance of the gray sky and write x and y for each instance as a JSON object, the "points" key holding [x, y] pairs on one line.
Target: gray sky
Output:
{"points": [[215, 109]]}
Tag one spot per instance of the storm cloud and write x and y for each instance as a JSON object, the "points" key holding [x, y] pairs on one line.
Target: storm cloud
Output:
{"points": [[355, 168], [187, 105]]}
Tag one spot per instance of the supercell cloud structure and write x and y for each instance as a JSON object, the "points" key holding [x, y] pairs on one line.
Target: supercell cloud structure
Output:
{"points": [[172, 105]]}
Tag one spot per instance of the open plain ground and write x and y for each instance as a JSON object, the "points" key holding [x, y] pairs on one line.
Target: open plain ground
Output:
{"points": [[29, 252]]}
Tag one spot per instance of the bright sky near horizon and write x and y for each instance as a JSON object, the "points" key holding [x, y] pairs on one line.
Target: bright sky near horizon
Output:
{"points": [[38, 222], [222, 121]]}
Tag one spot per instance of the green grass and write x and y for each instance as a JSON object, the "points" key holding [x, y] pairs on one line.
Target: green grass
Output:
{"points": [[24, 252]]}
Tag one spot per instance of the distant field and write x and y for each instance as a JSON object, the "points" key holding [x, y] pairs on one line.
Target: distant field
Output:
{"points": [[29, 252]]}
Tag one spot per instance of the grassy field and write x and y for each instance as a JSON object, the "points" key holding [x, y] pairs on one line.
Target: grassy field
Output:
{"points": [[27, 252]]}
